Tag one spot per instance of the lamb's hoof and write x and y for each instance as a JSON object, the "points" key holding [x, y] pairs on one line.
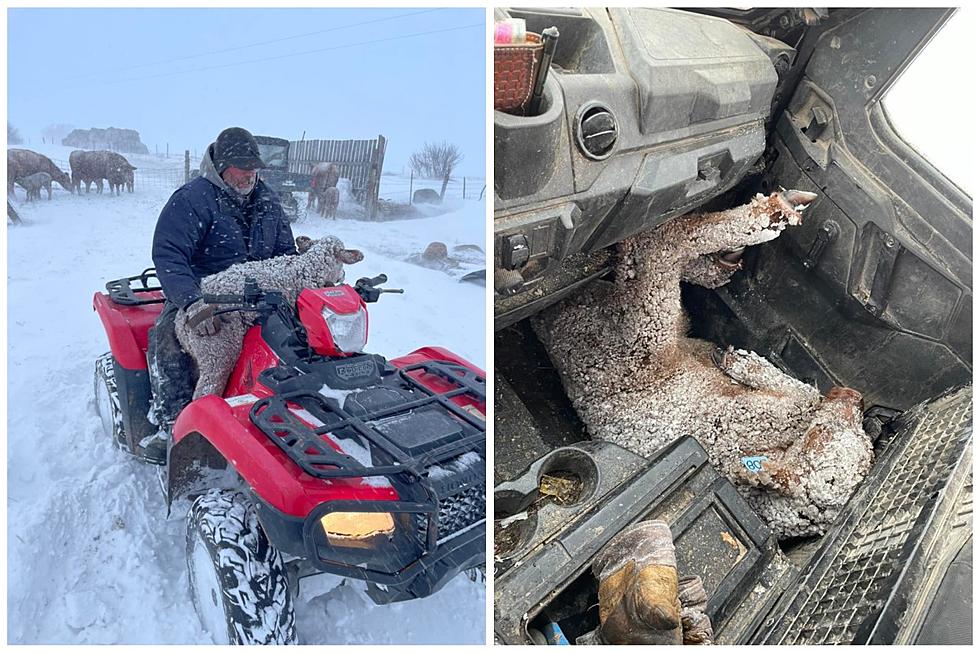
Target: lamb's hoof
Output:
{"points": [[730, 260], [719, 357], [797, 199], [790, 205], [785, 208]]}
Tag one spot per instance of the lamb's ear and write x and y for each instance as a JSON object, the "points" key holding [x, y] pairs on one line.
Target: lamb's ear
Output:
{"points": [[303, 243], [349, 256]]}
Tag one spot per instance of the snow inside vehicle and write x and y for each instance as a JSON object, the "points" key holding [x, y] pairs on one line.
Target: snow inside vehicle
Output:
{"points": [[318, 458], [651, 114]]}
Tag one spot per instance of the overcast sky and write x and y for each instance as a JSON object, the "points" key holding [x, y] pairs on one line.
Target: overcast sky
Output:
{"points": [[180, 76]]}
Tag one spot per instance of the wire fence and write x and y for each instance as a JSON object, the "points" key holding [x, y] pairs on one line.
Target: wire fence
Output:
{"points": [[165, 177], [401, 188], [166, 173]]}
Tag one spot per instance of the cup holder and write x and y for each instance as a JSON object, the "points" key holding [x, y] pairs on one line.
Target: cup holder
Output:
{"points": [[525, 148], [566, 478], [576, 474], [514, 521]]}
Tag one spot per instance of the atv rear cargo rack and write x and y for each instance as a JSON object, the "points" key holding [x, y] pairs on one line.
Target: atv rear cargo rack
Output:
{"points": [[121, 291], [306, 447]]}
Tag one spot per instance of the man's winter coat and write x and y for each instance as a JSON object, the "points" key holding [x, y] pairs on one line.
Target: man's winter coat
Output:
{"points": [[206, 227]]}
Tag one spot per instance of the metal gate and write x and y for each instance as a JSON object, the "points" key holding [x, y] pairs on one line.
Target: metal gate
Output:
{"points": [[360, 161]]}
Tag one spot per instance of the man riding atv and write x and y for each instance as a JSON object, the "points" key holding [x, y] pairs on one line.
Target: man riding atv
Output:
{"points": [[227, 215], [299, 452]]}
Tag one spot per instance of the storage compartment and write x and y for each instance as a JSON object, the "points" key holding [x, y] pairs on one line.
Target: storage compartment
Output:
{"points": [[582, 46], [692, 69]]}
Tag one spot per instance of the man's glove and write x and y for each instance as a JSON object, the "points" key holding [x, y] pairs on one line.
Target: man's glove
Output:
{"points": [[694, 606], [201, 318], [638, 601]]}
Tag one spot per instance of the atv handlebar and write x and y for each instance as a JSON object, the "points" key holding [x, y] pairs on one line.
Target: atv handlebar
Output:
{"points": [[255, 299], [365, 287]]}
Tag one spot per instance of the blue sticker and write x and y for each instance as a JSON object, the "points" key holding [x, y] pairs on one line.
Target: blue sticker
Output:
{"points": [[754, 463]]}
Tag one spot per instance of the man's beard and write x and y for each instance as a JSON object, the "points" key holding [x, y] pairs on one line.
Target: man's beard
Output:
{"points": [[244, 189]]}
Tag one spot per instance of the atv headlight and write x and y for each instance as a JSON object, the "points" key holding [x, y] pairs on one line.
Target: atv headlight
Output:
{"points": [[353, 528], [348, 330]]}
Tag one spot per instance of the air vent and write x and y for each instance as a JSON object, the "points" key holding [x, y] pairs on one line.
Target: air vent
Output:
{"points": [[596, 131]]}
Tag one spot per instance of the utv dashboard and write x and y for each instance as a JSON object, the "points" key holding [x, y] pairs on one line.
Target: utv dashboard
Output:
{"points": [[646, 115]]}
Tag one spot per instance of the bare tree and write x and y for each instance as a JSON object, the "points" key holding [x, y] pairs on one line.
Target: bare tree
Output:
{"points": [[13, 136], [436, 161]]}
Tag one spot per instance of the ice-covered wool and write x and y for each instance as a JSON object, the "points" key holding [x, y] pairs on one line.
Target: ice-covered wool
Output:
{"points": [[638, 381], [321, 263]]}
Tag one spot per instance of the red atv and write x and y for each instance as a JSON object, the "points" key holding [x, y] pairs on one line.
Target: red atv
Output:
{"points": [[318, 458]]}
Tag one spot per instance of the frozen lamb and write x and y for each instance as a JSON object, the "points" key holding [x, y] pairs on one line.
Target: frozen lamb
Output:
{"points": [[320, 263], [637, 380]]}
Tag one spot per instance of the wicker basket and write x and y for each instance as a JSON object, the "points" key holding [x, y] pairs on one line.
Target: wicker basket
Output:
{"points": [[515, 66]]}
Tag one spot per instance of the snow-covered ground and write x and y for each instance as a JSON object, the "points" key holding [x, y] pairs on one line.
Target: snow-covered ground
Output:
{"points": [[92, 557]]}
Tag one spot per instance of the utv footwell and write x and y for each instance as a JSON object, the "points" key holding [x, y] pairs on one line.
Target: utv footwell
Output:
{"points": [[878, 573], [895, 569]]}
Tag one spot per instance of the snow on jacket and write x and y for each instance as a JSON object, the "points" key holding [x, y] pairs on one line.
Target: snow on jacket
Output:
{"points": [[206, 227]]}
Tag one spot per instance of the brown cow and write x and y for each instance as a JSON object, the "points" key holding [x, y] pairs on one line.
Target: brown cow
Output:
{"points": [[23, 163], [94, 166], [323, 189]]}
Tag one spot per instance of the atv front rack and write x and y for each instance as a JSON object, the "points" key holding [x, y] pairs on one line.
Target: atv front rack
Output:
{"points": [[306, 447], [121, 291], [410, 431]]}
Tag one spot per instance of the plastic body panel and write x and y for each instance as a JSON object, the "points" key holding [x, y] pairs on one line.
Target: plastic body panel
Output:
{"points": [[127, 328]]}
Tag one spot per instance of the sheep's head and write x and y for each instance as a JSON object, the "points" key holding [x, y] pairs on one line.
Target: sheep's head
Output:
{"points": [[329, 255]]}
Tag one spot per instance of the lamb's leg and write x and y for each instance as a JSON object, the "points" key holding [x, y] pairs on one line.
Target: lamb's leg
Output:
{"points": [[759, 221], [217, 364], [754, 371], [708, 272]]}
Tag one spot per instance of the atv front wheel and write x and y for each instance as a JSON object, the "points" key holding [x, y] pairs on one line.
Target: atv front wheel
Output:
{"points": [[107, 401], [238, 580]]}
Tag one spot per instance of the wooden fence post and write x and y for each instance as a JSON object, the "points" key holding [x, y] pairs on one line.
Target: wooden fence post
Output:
{"points": [[187, 166], [374, 178], [464, 188], [411, 187]]}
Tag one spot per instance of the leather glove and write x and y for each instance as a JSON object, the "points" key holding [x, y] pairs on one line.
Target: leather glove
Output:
{"points": [[694, 604], [201, 318], [638, 602]]}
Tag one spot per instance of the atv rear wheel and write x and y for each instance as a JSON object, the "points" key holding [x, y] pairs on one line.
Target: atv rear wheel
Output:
{"points": [[107, 401], [238, 581]]}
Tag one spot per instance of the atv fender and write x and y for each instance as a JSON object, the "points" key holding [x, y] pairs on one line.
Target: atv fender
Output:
{"points": [[210, 433], [424, 354], [127, 328]]}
